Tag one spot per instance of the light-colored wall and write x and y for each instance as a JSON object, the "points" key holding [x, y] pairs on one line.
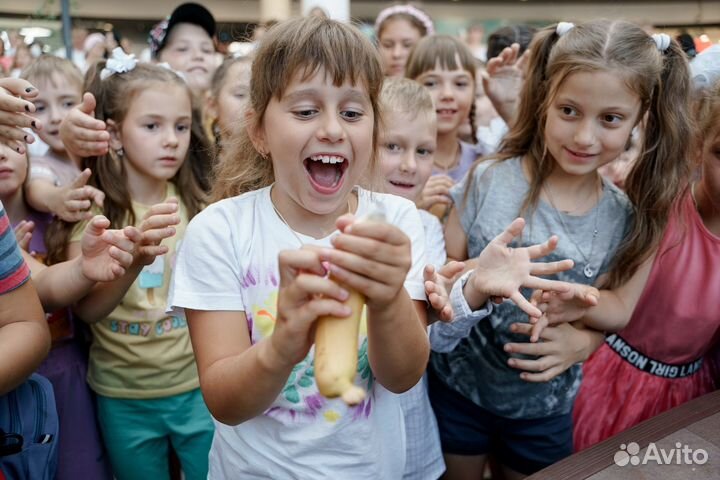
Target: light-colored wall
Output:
{"points": [[674, 12]]}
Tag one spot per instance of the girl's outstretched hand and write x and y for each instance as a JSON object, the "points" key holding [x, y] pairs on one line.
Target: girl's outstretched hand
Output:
{"points": [[82, 134], [562, 307], [438, 284], [78, 198], [305, 294], [15, 105], [562, 347], [106, 254], [371, 257], [156, 226], [500, 270]]}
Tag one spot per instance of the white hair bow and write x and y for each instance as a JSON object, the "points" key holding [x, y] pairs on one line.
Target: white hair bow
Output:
{"points": [[662, 40], [563, 27], [119, 62]]}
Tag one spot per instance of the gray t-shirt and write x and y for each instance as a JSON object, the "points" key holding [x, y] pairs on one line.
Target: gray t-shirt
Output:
{"points": [[477, 368]]}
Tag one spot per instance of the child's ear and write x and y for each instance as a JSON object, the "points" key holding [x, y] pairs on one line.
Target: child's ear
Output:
{"points": [[256, 132], [114, 131]]}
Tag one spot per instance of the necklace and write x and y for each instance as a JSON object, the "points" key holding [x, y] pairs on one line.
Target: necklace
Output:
{"points": [[455, 162], [588, 271], [277, 212]]}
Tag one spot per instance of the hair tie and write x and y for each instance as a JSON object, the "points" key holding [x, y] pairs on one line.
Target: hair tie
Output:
{"points": [[563, 27], [416, 13], [120, 62], [662, 40]]}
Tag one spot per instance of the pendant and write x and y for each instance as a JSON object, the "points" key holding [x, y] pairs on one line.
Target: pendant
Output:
{"points": [[588, 271]]}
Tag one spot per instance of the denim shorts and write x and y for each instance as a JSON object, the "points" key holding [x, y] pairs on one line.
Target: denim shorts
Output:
{"points": [[524, 445]]}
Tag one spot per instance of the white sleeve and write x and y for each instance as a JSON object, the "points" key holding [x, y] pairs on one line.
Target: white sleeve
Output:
{"points": [[435, 253], [445, 336], [207, 274]]}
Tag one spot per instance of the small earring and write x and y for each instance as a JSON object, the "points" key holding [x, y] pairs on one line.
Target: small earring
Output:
{"points": [[120, 152]]}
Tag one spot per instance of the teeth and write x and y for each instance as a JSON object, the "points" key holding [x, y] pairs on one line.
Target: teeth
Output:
{"points": [[327, 159]]}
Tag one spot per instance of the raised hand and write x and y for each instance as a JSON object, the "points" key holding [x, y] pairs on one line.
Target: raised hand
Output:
{"points": [[77, 199], [106, 254], [436, 190], [305, 294], [503, 80], [562, 307], [156, 226], [15, 105], [82, 134], [500, 271], [23, 234], [438, 284]]}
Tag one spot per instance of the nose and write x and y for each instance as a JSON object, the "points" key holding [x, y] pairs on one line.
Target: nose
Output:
{"points": [[55, 117], [398, 51], [171, 138], [585, 133], [408, 163], [447, 92], [331, 130]]}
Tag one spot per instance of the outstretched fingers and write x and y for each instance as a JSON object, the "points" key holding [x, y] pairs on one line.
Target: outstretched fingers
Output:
{"points": [[513, 230]]}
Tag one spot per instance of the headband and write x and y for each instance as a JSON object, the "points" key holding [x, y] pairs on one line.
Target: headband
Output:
{"points": [[662, 40], [416, 13], [120, 62], [563, 27]]}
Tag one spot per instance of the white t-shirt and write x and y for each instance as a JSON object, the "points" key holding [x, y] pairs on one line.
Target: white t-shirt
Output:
{"points": [[229, 261], [435, 253]]}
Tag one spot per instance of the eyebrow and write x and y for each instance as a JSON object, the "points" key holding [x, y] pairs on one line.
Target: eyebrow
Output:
{"points": [[354, 95], [615, 108]]}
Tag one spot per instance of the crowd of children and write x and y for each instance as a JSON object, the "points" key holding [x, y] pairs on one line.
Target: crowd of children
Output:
{"points": [[189, 222]]}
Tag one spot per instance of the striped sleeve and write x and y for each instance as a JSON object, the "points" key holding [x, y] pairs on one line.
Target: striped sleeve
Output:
{"points": [[13, 269]]}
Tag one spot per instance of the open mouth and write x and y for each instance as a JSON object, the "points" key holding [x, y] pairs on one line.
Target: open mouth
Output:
{"points": [[326, 172], [446, 112]]}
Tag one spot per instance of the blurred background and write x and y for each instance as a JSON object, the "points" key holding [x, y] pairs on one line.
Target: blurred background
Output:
{"points": [[38, 23]]}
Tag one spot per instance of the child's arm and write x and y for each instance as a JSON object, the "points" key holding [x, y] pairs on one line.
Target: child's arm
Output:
{"points": [[82, 134], [562, 346], [24, 334], [455, 237], [71, 202], [239, 380], [15, 94], [608, 310], [374, 259], [155, 227], [105, 254]]}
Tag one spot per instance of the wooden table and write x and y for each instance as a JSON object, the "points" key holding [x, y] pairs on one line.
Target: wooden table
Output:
{"points": [[695, 424]]}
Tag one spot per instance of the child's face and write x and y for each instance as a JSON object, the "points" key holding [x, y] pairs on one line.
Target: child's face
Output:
{"points": [[155, 133], [233, 96], [319, 138], [190, 50], [13, 171], [397, 39], [453, 92], [407, 149], [711, 165], [55, 100], [590, 120]]}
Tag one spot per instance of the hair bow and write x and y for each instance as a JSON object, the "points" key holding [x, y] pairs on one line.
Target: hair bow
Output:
{"points": [[662, 40], [120, 62], [563, 27]]}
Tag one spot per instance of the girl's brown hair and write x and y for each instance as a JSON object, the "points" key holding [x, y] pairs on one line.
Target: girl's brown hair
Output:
{"points": [[301, 45], [114, 95], [451, 54], [43, 69], [660, 80]]}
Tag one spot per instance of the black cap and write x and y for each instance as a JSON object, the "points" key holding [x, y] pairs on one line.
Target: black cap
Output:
{"points": [[192, 13]]}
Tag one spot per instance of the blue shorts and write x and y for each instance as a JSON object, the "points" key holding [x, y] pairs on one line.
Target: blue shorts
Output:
{"points": [[524, 445]]}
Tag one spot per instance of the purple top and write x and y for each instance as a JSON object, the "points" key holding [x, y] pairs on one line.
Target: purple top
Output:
{"points": [[468, 155]]}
